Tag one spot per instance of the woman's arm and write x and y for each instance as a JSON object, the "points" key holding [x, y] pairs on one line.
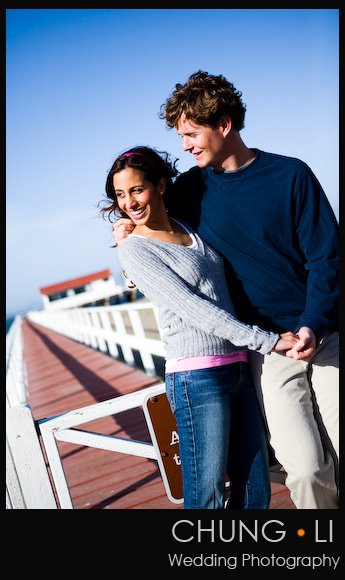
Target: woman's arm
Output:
{"points": [[165, 288]]}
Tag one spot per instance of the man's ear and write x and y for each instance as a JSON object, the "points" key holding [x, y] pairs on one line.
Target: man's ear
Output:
{"points": [[225, 124]]}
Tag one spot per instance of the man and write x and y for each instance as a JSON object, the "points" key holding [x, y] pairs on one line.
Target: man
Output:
{"points": [[269, 218]]}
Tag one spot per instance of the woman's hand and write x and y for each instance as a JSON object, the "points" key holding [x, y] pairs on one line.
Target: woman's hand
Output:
{"points": [[305, 346], [121, 229], [286, 342]]}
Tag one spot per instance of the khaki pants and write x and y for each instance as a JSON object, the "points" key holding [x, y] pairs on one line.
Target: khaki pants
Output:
{"points": [[300, 400]]}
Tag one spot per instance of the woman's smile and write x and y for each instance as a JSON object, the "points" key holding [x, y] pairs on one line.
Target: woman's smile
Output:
{"points": [[137, 213]]}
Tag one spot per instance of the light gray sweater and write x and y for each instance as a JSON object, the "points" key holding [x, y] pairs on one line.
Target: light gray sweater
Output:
{"points": [[189, 288]]}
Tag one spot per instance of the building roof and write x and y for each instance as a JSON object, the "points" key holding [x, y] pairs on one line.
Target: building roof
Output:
{"points": [[75, 282]]}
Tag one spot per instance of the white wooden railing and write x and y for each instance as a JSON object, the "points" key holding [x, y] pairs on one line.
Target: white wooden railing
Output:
{"points": [[121, 330], [27, 482], [62, 428], [129, 327]]}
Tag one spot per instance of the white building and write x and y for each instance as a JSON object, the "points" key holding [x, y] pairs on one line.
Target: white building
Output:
{"points": [[95, 289]]}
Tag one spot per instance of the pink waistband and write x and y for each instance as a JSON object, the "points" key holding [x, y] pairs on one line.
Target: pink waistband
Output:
{"points": [[189, 363]]}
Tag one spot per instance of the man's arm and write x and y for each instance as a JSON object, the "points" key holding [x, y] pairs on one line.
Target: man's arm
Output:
{"points": [[317, 231]]}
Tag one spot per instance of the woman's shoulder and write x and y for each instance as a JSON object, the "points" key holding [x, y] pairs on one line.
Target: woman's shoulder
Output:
{"points": [[132, 245], [130, 241], [139, 247]]}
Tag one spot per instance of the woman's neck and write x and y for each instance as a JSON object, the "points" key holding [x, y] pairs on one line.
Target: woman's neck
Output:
{"points": [[162, 225], [165, 231]]}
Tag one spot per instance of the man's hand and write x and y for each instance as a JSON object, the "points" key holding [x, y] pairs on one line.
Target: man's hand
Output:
{"points": [[288, 340], [305, 346], [121, 229]]}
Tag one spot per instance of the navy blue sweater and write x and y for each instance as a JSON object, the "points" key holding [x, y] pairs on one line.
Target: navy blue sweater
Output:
{"points": [[278, 235]]}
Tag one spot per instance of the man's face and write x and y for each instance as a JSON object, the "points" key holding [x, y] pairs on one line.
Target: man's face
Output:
{"points": [[204, 142]]}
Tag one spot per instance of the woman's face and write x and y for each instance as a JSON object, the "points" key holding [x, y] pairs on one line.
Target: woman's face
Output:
{"points": [[138, 197]]}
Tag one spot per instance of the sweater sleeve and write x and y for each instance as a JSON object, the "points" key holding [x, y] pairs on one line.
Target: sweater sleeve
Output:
{"points": [[165, 288], [317, 230]]}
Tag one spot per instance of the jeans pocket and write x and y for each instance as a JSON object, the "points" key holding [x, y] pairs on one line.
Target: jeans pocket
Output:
{"points": [[170, 391]]}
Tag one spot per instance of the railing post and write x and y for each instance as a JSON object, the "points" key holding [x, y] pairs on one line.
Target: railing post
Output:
{"points": [[112, 347], [97, 326], [56, 467], [139, 332], [120, 326], [27, 479], [90, 323]]}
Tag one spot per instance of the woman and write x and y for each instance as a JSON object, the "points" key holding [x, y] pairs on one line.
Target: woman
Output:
{"points": [[208, 383]]}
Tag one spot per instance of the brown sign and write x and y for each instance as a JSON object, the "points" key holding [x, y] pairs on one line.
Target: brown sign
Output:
{"points": [[163, 430]]}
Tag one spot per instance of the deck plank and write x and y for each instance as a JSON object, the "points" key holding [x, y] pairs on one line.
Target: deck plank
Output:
{"points": [[64, 375]]}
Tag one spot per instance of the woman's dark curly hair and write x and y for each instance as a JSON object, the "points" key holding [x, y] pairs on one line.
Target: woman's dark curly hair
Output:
{"points": [[152, 163], [204, 99]]}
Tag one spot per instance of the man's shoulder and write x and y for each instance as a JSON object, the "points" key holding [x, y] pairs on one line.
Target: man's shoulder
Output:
{"points": [[192, 175], [283, 160], [184, 199]]}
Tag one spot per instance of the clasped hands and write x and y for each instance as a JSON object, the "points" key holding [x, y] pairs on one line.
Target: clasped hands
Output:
{"points": [[299, 346]]}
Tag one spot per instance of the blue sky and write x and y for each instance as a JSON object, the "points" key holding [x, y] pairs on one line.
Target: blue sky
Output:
{"points": [[84, 84]]}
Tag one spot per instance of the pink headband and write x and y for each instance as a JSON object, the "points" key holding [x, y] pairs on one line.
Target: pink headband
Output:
{"points": [[132, 153]]}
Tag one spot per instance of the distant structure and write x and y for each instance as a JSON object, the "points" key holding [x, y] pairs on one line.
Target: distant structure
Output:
{"points": [[96, 289]]}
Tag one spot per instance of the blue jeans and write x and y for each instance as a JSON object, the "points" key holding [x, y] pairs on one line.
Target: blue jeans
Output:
{"points": [[221, 432]]}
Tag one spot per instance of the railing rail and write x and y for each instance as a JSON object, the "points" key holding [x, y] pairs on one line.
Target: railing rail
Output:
{"points": [[16, 393]]}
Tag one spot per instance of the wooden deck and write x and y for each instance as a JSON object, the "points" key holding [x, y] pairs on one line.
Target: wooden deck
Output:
{"points": [[64, 375]]}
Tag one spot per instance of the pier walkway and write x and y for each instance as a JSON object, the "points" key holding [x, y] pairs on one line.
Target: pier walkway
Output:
{"points": [[63, 375]]}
